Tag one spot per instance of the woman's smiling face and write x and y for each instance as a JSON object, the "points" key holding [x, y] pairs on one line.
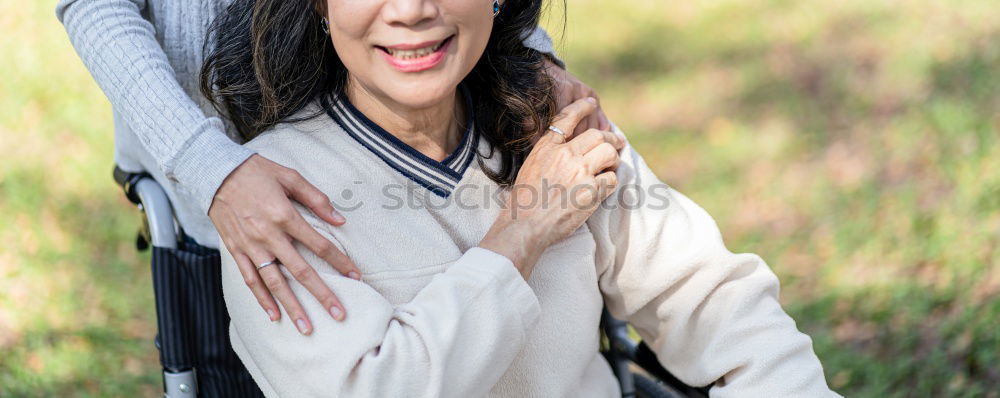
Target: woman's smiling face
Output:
{"points": [[411, 52]]}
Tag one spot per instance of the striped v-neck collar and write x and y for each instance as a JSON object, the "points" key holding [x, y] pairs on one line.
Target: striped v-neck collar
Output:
{"points": [[438, 177]]}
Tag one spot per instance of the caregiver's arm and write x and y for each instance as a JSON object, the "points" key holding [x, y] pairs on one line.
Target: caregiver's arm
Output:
{"points": [[710, 315], [567, 87], [119, 48]]}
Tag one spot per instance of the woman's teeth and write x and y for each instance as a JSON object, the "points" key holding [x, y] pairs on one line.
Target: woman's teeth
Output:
{"points": [[416, 53]]}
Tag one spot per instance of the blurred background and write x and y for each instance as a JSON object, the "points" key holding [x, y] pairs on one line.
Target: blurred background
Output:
{"points": [[853, 144]]}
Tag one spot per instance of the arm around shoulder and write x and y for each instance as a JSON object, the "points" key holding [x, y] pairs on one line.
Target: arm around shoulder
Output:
{"points": [[540, 41], [119, 48]]}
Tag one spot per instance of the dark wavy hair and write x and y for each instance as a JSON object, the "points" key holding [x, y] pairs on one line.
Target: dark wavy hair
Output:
{"points": [[271, 58]]}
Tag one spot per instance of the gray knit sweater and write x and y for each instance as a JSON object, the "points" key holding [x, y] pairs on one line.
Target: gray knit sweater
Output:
{"points": [[146, 56]]}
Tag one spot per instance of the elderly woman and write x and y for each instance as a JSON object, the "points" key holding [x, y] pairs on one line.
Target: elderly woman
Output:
{"points": [[488, 241]]}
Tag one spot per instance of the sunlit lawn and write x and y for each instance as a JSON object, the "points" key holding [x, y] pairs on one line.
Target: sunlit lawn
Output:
{"points": [[852, 144]]}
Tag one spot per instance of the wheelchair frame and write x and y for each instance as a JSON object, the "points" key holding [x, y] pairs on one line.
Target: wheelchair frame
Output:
{"points": [[160, 229]]}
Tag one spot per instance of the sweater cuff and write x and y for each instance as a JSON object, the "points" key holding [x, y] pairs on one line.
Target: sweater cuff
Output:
{"points": [[509, 281], [540, 41], [205, 161]]}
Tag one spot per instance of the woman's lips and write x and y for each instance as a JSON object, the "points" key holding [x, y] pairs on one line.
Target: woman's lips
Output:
{"points": [[415, 59]]}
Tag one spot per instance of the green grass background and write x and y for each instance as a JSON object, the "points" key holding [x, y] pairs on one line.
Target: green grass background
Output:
{"points": [[852, 144]]}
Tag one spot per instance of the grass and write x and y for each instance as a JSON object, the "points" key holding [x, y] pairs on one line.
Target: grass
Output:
{"points": [[852, 144]]}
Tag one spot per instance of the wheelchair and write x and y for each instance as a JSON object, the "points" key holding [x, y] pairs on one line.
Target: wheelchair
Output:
{"points": [[195, 354]]}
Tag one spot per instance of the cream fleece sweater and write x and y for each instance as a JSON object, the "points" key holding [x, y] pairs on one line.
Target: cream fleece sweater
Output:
{"points": [[436, 316]]}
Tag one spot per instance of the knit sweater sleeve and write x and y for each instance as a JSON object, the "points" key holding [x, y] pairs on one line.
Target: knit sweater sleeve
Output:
{"points": [[708, 314], [540, 41], [455, 338], [119, 48]]}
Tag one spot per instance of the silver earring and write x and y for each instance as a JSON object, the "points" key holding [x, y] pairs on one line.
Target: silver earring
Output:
{"points": [[496, 8], [326, 25]]}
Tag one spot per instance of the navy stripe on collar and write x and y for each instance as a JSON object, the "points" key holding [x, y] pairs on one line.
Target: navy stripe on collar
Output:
{"points": [[438, 177]]}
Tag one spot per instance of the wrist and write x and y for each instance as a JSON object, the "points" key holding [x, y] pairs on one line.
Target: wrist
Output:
{"points": [[205, 163], [519, 241], [552, 62]]}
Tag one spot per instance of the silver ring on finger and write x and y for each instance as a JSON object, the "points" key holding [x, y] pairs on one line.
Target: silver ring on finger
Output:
{"points": [[557, 131], [262, 265]]}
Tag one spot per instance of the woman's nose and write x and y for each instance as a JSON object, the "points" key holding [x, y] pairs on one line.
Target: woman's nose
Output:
{"points": [[409, 12]]}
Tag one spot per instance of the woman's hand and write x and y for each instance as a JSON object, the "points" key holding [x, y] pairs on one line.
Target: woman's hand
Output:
{"points": [[257, 222], [560, 184], [569, 89]]}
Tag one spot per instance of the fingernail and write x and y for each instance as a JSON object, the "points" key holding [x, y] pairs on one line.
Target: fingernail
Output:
{"points": [[591, 100], [354, 275], [303, 328], [271, 315], [338, 217], [337, 313]]}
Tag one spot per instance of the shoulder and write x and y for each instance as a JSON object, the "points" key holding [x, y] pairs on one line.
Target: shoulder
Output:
{"points": [[310, 143], [305, 125], [307, 139]]}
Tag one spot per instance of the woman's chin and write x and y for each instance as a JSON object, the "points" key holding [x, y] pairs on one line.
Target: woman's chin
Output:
{"points": [[420, 96]]}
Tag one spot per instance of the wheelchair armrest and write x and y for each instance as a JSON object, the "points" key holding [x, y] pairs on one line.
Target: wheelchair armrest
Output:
{"points": [[143, 190], [646, 359], [127, 180]]}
